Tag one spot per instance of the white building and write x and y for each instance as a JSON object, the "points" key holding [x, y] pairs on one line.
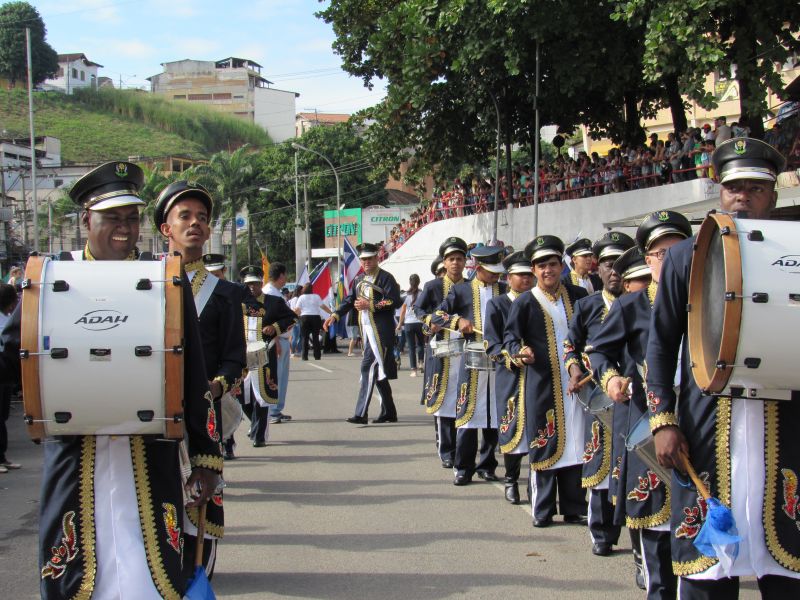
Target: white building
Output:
{"points": [[231, 85], [75, 71]]}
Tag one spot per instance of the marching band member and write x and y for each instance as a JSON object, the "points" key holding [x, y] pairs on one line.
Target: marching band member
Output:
{"points": [[536, 327], [622, 337], [215, 264], [111, 521], [182, 214], [512, 431], [441, 373], [581, 258], [465, 307], [588, 316], [265, 316], [748, 450], [376, 317], [276, 281]]}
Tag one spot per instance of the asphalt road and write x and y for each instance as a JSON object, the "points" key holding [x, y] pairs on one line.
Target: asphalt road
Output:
{"points": [[334, 510]]}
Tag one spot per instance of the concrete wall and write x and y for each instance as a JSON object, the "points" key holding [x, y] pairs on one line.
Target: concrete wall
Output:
{"points": [[567, 219], [274, 110]]}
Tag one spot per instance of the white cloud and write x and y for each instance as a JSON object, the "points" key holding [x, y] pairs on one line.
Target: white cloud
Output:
{"points": [[131, 48], [196, 48]]}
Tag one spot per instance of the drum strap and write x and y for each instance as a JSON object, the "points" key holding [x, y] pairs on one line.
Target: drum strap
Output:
{"points": [[203, 295]]}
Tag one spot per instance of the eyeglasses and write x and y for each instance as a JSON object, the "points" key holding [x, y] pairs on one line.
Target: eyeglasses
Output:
{"points": [[659, 254]]}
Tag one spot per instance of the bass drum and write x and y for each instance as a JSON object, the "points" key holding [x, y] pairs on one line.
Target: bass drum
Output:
{"points": [[744, 297]]}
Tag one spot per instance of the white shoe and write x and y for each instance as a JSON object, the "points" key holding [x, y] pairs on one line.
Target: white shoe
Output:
{"points": [[412, 374], [8, 465]]}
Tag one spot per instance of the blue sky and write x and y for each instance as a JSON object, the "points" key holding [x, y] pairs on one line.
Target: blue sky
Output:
{"points": [[130, 38]]}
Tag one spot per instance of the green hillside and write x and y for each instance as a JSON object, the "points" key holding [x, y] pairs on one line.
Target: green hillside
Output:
{"points": [[98, 126], [87, 135]]}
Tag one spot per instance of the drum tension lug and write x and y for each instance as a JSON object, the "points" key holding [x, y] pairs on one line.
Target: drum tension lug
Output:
{"points": [[725, 230], [59, 285], [752, 363], [176, 281], [755, 236], [59, 353], [177, 349], [23, 354], [144, 284], [62, 417], [737, 392], [721, 364], [28, 419], [178, 418], [760, 297], [730, 296], [145, 416], [143, 351]]}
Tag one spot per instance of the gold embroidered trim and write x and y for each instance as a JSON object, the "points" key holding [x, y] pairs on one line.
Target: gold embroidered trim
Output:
{"points": [[86, 498], [555, 295], [662, 420], [441, 392], [569, 362], [605, 464], [222, 382], [277, 329], [198, 280], [195, 265], [207, 461], [698, 565], [723, 450], [212, 529], [87, 254], [771, 451], [652, 290], [520, 428], [472, 396], [148, 521], [558, 400], [659, 518], [606, 377]]}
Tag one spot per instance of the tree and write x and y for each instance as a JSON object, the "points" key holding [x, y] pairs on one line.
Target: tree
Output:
{"points": [[14, 18], [273, 212], [708, 36], [154, 182], [231, 177]]}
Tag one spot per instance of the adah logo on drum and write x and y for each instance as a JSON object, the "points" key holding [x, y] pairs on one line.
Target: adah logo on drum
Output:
{"points": [[789, 263], [101, 320]]}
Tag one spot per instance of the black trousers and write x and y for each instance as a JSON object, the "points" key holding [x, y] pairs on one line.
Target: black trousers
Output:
{"points": [[601, 518], [5, 410], [467, 448], [416, 344], [259, 422], [513, 465], [311, 325], [446, 438], [567, 483], [657, 559], [772, 587]]}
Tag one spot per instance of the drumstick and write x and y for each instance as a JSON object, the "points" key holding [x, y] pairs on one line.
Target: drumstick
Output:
{"points": [[474, 330], [201, 532], [585, 380], [698, 483]]}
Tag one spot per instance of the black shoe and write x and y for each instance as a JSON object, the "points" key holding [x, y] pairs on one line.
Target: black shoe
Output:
{"points": [[576, 519], [512, 493], [601, 549], [543, 522], [259, 444], [487, 476], [229, 455], [385, 419], [357, 420], [462, 480], [447, 464]]}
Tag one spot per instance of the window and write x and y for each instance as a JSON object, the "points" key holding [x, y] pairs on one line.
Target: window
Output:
{"points": [[83, 75], [74, 73], [222, 96], [60, 72], [179, 97], [199, 96]]}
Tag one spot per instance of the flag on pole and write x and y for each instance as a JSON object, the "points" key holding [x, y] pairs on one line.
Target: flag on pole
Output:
{"points": [[303, 279], [321, 281], [351, 266], [264, 266]]}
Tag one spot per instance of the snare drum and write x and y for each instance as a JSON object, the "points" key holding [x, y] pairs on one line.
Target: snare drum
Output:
{"points": [[594, 401], [256, 355], [231, 415], [101, 348], [744, 296], [475, 357], [640, 440], [447, 348]]}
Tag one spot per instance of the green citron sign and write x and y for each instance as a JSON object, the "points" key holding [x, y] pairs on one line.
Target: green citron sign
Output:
{"points": [[384, 219]]}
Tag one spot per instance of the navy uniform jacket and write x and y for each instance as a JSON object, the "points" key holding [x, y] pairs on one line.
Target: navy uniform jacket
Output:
{"points": [[67, 551], [436, 369], [268, 310], [598, 455], [626, 329], [528, 324], [381, 315], [460, 303], [506, 382], [706, 423]]}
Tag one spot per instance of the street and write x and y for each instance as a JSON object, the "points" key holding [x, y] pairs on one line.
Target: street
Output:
{"points": [[334, 510]]}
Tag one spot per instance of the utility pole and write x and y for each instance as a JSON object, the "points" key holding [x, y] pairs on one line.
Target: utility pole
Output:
{"points": [[33, 141], [24, 214], [308, 225], [298, 231], [3, 203]]}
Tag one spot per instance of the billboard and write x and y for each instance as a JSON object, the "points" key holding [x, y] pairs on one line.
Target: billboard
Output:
{"points": [[350, 223]]}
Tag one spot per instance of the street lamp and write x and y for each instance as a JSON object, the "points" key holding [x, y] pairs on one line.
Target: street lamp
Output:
{"points": [[338, 205]]}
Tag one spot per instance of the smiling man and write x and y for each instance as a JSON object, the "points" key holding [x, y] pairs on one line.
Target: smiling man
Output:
{"points": [[182, 215]]}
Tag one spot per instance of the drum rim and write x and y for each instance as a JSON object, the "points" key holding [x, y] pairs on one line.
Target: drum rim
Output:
{"points": [[715, 380]]}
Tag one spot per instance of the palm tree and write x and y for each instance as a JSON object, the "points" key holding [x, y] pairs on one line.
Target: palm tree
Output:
{"points": [[230, 177], [154, 182], [65, 209]]}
